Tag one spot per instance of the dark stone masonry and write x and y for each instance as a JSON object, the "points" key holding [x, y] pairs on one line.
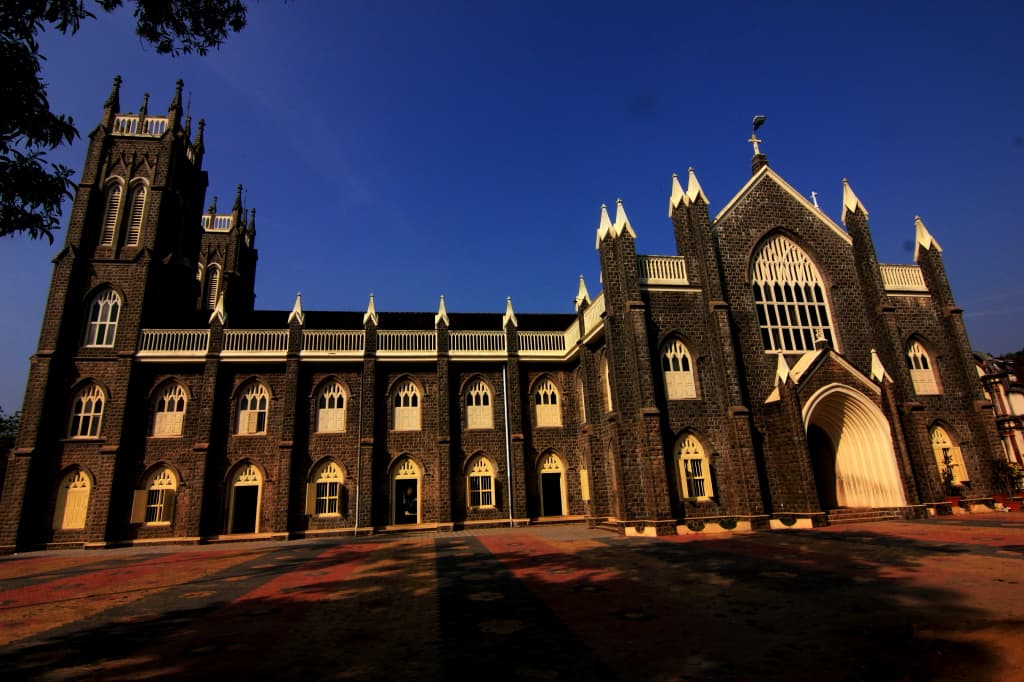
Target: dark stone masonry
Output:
{"points": [[770, 372]]}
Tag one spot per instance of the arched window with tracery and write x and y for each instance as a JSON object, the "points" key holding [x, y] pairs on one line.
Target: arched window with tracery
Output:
{"points": [[252, 410], [169, 410], [948, 456], [692, 463], [87, 412], [479, 410], [792, 310], [481, 482], [677, 368], [546, 402], [331, 407], [72, 501], [104, 311], [922, 370], [406, 402], [323, 492], [154, 504]]}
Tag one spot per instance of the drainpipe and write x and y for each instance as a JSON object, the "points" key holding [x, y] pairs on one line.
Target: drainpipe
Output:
{"points": [[508, 441], [359, 449]]}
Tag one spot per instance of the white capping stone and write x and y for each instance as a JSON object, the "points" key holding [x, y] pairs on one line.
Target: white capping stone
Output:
{"points": [[850, 201], [878, 372], [442, 313], [781, 370], [622, 221], [693, 188], [582, 296], [678, 196], [604, 226], [297, 313], [510, 315], [371, 313], [218, 311], [923, 238]]}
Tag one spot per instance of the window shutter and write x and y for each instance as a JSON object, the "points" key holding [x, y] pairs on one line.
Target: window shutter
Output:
{"points": [[310, 499], [135, 219], [585, 485], [139, 505], [169, 497]]}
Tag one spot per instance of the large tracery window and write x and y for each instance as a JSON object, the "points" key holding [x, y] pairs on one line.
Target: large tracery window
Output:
{"points": [[677, 367], [154, 505], [169, 410], [479, 413], [330, 408], [481, 483], [947, 454], [407, 407], [252, 410], [87, 412], [922, 373], [103, 313], [694, 481], [546, 403], [323, 493], [790, 299]]}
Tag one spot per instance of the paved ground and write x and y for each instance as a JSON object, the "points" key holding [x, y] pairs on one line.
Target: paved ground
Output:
{"points": [[937, 599]]}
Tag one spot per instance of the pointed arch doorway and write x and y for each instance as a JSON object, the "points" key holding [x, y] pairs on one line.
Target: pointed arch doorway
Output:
{"points": [[405, 492], [851, 451]]}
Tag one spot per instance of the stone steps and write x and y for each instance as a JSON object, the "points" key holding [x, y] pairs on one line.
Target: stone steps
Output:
{"points": [[838, 517]]}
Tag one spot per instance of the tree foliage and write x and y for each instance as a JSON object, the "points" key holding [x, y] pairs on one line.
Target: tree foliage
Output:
{"points": [[8, 430], [31, 188]]}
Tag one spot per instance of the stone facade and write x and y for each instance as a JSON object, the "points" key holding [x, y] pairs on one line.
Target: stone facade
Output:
{"points": [[764, 371]]}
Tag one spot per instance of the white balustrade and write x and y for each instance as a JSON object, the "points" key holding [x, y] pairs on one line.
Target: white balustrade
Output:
{"points": [[174, 341], [131, 125], [217, 223], [476, 343], [902, 278], [255, 341], [572, 335], [405, 342], [662, 270], [542, 343], [333, 342], [592, 315]]}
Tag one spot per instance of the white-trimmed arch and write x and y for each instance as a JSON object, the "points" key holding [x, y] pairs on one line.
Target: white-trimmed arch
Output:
{"points": [[866, 473]]}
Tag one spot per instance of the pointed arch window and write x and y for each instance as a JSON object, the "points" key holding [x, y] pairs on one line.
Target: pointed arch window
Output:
{"points": [[87, 412], [212, 290], [323, 492], [479, 411], [922, 370], [111, 210], [546, 400], [154, 504], [481, 483], [948, 454], [169, 410], [138, 206], [252, 410], [677, 368], [606, 382], [104, 311], [72, 501], [331, 408], [694, 481], [406, 402], [789, 297]]}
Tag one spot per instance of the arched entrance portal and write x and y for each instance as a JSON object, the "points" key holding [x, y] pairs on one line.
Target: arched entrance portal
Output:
{"points": [[851, 450], [552, 486], [244, 512], [405, 492]]}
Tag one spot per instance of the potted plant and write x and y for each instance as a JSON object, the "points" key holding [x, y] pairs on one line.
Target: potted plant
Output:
{"points": [[950, 485], [1009, 476]]}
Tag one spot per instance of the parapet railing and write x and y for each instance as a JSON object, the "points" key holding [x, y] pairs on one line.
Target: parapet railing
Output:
{"points": [[663, 270], [541, 343], [174, 342], [593, 314], [905, 278], [255, 341], [217, 223], [333, 342], [401, 342], [477, 343], [132, 125]]}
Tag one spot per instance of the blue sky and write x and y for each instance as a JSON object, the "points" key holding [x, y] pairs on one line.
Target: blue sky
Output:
{"points": [[414, 149]]}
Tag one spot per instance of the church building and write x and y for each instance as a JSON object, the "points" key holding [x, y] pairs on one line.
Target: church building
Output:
{"points": [[769, 373]]}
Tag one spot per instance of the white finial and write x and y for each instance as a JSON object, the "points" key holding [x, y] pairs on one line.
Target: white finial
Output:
{"points": [[218, 313], [693, 188], [677, 197], [924, 238], [604, 226], [297, 313], [781, 370], [582, 296], [878, 372], [814, 200], [442, 313], [850, 201], [622, 221], [510, 315], [371, 313]]}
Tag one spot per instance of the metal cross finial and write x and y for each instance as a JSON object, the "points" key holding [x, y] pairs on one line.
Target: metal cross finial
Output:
{"points": [[814, 198]]}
